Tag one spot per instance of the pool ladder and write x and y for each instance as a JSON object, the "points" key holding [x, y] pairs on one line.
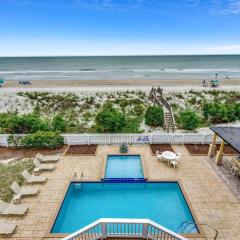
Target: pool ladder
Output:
{"points": [[75, 179], [186, 227]]}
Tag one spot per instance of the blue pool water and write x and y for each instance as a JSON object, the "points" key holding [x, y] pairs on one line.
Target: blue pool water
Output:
{"points": [[162, 202], [124, 166]]}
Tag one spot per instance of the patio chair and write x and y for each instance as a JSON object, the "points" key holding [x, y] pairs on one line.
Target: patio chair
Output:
{"points": [[159, 155], [7, 228], [42, 167], [32, 178], [24, 191], [178, 156], [173, 163], [9, 209], [47, 158]]}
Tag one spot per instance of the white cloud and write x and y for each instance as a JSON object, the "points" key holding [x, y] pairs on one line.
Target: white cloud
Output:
{"points": [[233, 7], [227, 49]]}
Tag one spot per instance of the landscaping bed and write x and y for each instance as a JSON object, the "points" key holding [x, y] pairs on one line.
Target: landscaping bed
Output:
{"points": [[81, 150], [161, 148], [18, 153], [12, 172], [202, 149]]}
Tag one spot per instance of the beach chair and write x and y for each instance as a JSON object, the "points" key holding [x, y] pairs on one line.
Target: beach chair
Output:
{"points": [[41, 166], [9, 209], [7, 228], [33, 179], [47, 158], [24, 191]]}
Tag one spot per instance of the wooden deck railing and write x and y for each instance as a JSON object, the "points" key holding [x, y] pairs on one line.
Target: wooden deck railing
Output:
{"points": [[121, 228]]}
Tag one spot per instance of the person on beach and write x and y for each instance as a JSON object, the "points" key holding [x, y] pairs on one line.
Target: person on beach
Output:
{"points": [[204, 83]]}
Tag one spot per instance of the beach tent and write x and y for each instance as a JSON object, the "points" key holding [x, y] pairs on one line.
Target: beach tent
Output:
{"points": [[1, 81], [214, 82]]}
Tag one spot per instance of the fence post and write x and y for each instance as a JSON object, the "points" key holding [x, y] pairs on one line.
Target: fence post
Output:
{"points": [[203, 139], [104, 230], [183, 138], [88, 138], [6, 140], [145, 231], [109, 139]]}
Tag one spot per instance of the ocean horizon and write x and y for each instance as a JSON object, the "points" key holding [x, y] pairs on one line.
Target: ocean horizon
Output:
{"points": [[174, 67]]}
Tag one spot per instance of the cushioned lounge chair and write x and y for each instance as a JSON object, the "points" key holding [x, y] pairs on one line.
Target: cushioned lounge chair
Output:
{"points": [[9, 209], [47, 158], [7, 228], [33, 179], [24, 191]]}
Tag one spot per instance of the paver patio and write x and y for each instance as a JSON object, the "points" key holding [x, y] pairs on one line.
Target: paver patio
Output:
{"points": [[211, 200]]}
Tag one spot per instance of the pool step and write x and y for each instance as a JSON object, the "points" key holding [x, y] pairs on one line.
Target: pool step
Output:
{"points": [[124, 180]]}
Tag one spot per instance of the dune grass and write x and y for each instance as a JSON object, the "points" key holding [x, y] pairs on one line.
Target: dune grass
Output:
{"points": [[12, 172]]}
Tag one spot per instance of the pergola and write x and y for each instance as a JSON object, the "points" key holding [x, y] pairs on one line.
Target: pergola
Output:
{"points": [[229, 135]]}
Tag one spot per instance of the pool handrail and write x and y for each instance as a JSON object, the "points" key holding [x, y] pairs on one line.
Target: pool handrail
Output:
{"points": [[123, 227]]}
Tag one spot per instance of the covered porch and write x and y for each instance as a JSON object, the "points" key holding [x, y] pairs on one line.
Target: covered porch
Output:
{"points": [[230, 136]]}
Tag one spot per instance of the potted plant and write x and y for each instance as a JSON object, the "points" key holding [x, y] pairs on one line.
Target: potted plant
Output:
{"points": [[124, 148]]}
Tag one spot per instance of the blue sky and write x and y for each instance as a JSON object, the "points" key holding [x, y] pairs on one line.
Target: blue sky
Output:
{"points": [[119, 27]]}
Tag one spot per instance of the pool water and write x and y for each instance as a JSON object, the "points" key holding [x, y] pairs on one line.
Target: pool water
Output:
{"points": [[124, 166], [84, 203]]}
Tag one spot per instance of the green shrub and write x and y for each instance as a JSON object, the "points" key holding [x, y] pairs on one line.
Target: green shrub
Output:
{"points": [[14, 140], [219, 112], [188, 120], [154, 116], [59, 124], [132, 125], [42, 139], [12, 123], [109, 120]]}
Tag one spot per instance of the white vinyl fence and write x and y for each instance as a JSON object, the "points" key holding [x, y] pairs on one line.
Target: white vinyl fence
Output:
{"points": [[167, 138]]}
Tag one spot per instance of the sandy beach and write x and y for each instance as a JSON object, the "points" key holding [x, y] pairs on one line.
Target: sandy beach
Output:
{"points": [[108, 85]]}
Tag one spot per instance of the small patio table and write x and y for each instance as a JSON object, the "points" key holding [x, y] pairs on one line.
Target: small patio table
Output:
{"points": [[169, 156]]}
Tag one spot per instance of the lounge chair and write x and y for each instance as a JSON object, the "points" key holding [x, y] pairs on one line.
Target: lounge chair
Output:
{"points": [[7, 228], [9, 209], [47, 158], [42, 167], [24, 191], [32, 178]]}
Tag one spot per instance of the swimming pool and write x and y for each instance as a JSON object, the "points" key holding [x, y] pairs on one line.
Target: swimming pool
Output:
{"points": [[124, 166], [162, 202]]}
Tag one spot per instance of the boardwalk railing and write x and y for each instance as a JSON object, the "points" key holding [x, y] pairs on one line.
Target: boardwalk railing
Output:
{"points": [[134, 228], [161, 138]]}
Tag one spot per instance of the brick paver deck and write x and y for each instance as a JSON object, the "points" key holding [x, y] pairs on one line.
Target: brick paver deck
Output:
{"points": [[211, 200]]}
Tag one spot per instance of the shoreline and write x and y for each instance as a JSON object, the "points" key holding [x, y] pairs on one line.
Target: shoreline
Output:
{"points": [[115, 85]]}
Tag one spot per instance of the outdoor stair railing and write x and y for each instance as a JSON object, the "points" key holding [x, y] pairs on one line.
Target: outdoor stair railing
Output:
{"points": [[156, 97], [123, 228]]}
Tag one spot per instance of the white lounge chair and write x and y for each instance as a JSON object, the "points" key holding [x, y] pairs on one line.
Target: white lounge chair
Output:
{"points": [[42, 167], [47, 158], [32, 178], [24, 191], [9, 209], [7, 228]]}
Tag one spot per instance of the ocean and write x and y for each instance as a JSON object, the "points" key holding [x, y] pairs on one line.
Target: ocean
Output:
{"points": [[120, 67]]}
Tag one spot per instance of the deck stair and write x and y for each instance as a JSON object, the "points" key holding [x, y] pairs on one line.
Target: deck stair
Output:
{"points": [[156, 96], [114, 228]]}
